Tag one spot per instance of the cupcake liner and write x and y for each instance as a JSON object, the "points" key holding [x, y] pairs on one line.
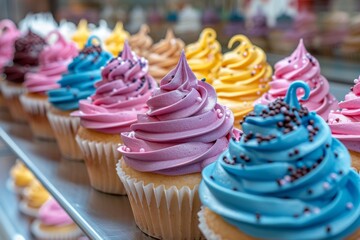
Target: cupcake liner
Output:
{"points": [[11, 94], [100, 159], [10, 185], [29, 211], [204, 228], [54, 235], [165, 213], [355, 160], [36, 110], [65, 129]]}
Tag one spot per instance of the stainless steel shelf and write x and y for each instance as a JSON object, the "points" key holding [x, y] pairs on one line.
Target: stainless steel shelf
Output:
{"points": [[99, 215]]}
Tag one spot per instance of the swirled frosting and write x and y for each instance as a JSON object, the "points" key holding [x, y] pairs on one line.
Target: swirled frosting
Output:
{"points": [[287, 177], [115, 42], [141, 42], [204, 56], [53, 60], [52, 214], [21, 175], [302, 66], [81, 34], [83, 72], [26, 57], [120, 95], [36, 195], [164, 55], [8, 34], [345, 122], [243, 77], [184, 130]]}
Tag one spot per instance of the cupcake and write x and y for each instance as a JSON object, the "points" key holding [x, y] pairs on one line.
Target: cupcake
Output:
{"points": [[243, 77], [115, 42], [258, 30], [119, 97], [67, 29], [184, 130], [53, 62], [204, 56], [350, 47], [102, 31], [75, 85], [277, 33], [8, 34], [26, 59], [164, 55], [54, 223], [35, 195], [345, 123], [141, 42], [20, 178], [287, 178], [301, 65], [82, 34]]}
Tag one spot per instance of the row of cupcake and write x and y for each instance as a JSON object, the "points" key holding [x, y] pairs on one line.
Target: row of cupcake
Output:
{"points": [[180, 127], [48, 220]]}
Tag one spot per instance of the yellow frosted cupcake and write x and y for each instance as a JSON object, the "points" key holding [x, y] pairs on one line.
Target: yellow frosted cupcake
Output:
{"points": [[141, 42], [21, 177], [82, 34], [115, 42], [204, 56], [243, 77], [35, 195]]}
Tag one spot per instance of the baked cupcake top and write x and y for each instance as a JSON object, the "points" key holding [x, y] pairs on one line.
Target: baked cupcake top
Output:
{"points": [[53, 61], [345, 122], [81, 34], [164, 55], [204, 56], [141, 42], [52, 214], [36, 195], [184, 130], [26, 57], [8, 35], [301, 65], [83, 72], [115, 42], [20, 175], [287, 177], [120, 96], [243, 77]]}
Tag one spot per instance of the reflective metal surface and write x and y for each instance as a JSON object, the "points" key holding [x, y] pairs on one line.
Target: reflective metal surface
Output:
{"points": [[100, 216]]}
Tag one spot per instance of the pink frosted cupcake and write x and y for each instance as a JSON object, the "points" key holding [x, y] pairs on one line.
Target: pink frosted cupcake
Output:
{"points": [[302, 66], [120, 96], [53, 60], [345, 123], [54, 223], [184, 130]]}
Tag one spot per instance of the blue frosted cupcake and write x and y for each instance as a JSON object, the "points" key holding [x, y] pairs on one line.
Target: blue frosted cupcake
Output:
{"points": [[287, 178], [77, 84]]}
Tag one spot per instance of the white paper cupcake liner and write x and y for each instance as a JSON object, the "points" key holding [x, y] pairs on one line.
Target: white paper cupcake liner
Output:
{"points": [[163, 213], [204, 228], [34, 106], [29, 211], [42, 235], [13, 188], [10, 91], [65, 129], [100, 159]]}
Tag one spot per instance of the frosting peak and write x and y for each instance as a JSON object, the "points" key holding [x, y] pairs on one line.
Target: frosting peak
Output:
{"points": [[115, 42], [51, 213]]}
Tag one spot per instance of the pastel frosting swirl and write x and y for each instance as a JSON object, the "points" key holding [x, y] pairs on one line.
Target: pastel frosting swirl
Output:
{"points": [[21, 175], [81, 34], [36, 195], [184, 130], [164, 55], [8, 35], [243, 77], [83, 72], [26, 57], [120, 96], [52, 214], [204, 56], [141, 42], [287, 177], [345, 122], [115, 42], [302, 66], [53, 60]]}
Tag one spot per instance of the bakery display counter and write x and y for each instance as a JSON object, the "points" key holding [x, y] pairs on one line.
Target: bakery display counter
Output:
{"points": [[99, 215]]}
